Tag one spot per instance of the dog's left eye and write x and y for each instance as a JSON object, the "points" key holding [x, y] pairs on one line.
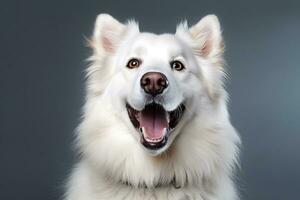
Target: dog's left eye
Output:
{"points": [[133, 63], [177, 65]]}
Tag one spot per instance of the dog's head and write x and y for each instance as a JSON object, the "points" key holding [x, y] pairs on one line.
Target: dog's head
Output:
{"points": [[156, 83]]}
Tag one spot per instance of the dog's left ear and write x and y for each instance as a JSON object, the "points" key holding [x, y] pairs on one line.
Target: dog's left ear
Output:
{"points": [[207, 34], [205, 37]]}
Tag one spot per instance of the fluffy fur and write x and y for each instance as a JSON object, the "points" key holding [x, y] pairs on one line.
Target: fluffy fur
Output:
{"points": [[199, 160]]}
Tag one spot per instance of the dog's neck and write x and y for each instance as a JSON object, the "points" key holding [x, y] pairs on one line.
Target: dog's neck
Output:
{"points": [[158, 185]]}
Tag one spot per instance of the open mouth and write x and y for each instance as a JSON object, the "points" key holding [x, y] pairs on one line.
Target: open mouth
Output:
{"points": [[154, 123]]}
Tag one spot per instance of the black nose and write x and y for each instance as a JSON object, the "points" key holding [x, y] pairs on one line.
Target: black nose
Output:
{"points": [[154, 83]]}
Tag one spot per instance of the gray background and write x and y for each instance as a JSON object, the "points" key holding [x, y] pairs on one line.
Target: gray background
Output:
{"points": [[41, 87]]}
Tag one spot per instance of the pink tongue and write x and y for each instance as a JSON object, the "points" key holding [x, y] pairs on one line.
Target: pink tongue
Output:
{"points": [[154, 121]]}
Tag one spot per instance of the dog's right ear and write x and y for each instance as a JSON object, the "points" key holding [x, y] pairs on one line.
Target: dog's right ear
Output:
{"points": [[108, 33]]}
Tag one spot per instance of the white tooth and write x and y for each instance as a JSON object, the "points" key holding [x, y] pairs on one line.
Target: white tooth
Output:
{"points": [[168, 117], [165, 131], [142, 130]]}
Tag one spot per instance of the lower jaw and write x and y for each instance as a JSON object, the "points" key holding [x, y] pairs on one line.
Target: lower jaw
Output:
{"points": [[156, 152], [154, 145]]}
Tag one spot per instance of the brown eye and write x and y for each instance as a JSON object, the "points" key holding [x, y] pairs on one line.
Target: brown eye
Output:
{"points": [[177, 65], [133, 63]]}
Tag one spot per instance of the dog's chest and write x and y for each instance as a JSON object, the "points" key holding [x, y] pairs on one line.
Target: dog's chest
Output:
{"points": [[160, 193]]}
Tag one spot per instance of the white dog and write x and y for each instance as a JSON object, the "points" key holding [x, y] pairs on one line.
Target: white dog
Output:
{"points": [[155, 123]]}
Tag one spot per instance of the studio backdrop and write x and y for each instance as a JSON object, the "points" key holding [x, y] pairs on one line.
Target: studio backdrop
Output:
{"points": [[43, 51]]}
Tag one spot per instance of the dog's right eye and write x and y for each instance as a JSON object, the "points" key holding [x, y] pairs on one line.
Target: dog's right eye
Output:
{"points": [[133, 63]]}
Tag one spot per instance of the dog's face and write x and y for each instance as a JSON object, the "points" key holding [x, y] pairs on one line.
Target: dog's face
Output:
{"points": [[159, 77], [156, 83]]}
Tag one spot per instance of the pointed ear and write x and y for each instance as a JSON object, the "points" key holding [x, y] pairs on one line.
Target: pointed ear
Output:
{"points": [[207, 37], [108, 33]]}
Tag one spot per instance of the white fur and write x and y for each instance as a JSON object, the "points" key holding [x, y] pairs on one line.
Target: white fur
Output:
{"points": [[202, 151]]}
